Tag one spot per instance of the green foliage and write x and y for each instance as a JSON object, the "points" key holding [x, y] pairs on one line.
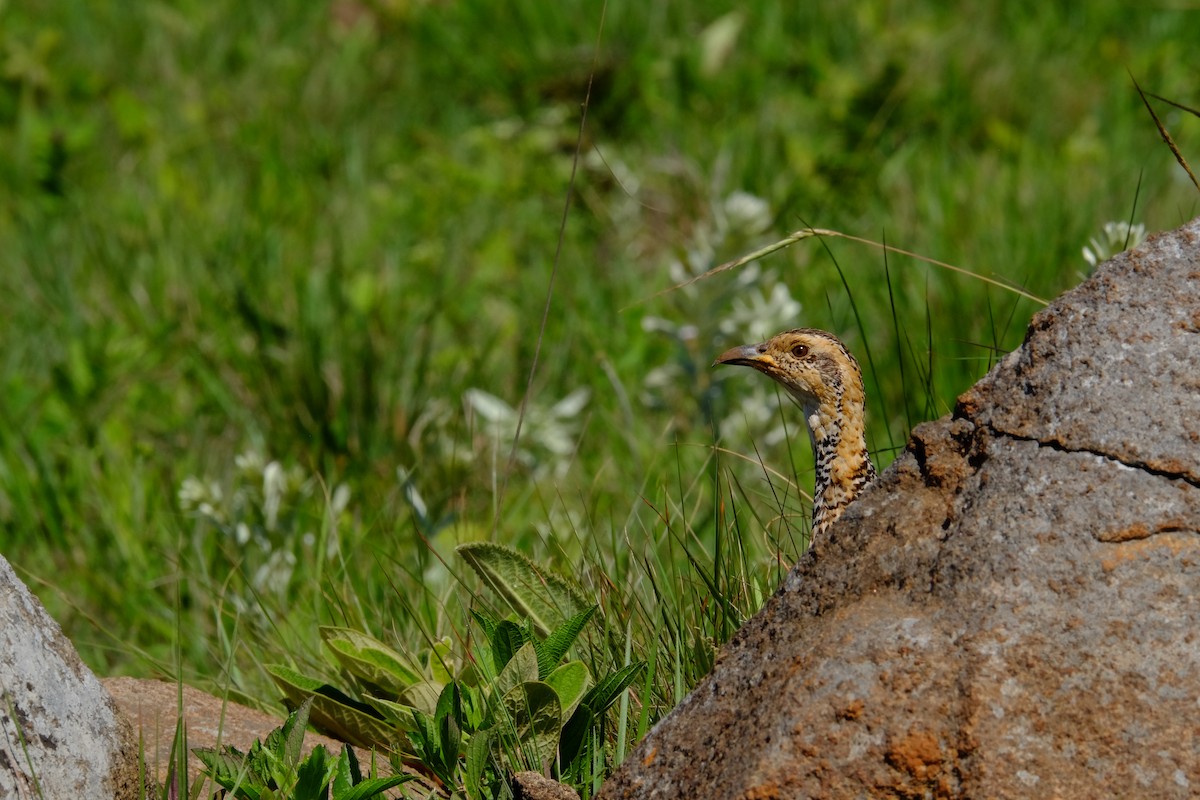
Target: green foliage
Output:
{"points": [[275, 769], [519, 703], [333, 711], [541, 597]]}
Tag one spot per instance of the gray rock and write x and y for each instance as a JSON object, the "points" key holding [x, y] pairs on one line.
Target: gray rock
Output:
{"points": [[1012, 609], [62, 735], [1113, 366]]}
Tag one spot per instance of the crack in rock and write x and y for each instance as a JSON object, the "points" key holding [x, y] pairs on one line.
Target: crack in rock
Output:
{"points": [[1062, 447]]}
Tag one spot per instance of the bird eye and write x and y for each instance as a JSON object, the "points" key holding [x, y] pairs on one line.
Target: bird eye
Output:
{"points": [[800, 350]]}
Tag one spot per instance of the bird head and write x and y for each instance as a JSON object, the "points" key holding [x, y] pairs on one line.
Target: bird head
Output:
{"points": [[814, 366]]}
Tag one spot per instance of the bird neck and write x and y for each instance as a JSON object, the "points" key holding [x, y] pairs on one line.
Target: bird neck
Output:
{"points": [[843, 464]]}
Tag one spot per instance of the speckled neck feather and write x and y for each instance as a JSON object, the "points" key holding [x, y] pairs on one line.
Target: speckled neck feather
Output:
{"points": [[839, 440], [825, 379]]}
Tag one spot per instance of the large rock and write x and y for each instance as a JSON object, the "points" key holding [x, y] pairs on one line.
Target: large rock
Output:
{"points": [[60, 732], [1012, 609]]}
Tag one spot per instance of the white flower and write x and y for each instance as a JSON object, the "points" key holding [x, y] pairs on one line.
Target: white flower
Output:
{"points": [[192, 492], [249, 463], [339, 501], [571, 405], [490, 407], [276, 572], [747, 213], [1116, 238], [203, 498], [757, 314], [551, 429], [411, 494], [274, 484], [651, 324]]}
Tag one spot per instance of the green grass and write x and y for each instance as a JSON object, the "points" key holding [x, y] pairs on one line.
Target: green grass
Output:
{"points": [[306, 230]]}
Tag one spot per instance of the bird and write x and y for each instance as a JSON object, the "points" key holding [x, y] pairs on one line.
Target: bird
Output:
{"points": [[824, 378]]}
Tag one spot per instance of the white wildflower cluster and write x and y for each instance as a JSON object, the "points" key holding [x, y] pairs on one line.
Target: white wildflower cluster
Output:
{"points": [[762, 310], [267, 487], [1116, 237], [750, 305], [265, 514], [745, 213], [549, 433], [203, 498]]}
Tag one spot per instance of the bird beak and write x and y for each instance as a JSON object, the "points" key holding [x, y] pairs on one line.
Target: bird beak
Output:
{"points": [[748, 355]]}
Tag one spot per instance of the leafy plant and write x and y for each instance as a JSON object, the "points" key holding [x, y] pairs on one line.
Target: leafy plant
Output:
{"points": [[518, 702], [530, 711], [274, 770]]}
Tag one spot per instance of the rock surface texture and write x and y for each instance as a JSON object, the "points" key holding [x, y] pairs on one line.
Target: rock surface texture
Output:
{"points": [[61, 735], [535, 786], [1012, 609]]}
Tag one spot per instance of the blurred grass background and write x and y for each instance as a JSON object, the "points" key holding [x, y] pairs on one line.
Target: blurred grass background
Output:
{"points": [[272, 275]]}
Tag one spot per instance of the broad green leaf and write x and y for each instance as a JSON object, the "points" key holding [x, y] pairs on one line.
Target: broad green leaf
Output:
{"points": [[373, 787], [449, 723], [521, 667], [507, 638], [574, 733], [398, 714], [217, 762], [293, 733], [427, 747], [536, 718], [484, 664], [312, 778], [551, 650], [422, 695], [469, 672], [546, 599], [606, 692], [270, 751], [337, 713], [486, 622], [477, 761], [424, 738], [347, 773], [441, 662], [570, 682], [370, 659], [228, 768], [474, 706]]}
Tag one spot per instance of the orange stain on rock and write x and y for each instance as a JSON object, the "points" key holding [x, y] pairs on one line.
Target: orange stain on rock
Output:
{"points": [[917, 754], [1124, 552]]}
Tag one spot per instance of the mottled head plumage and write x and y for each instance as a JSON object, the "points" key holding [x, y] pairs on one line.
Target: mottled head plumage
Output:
{"points": [[824, 378], [814, 366]]}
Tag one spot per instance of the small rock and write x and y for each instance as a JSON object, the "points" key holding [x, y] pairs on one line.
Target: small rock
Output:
{"points": [[535, 786]]}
